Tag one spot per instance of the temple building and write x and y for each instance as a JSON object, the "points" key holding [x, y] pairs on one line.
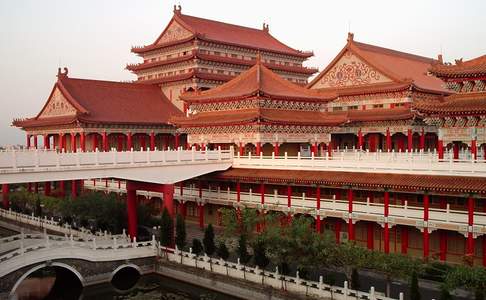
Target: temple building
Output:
{"points": [[242, 89], [193, 53], [384, 83], [461, 117]]}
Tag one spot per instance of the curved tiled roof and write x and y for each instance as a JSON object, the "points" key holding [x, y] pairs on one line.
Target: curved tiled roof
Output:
{"points": [[472, 68], [401, 67], [109, 102], [230, 34], [473, 103], [362, 180], [257, 81], [260, 116]]}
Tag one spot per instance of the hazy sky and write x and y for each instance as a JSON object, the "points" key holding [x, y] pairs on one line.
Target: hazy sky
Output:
{"points": [[93, 37]]}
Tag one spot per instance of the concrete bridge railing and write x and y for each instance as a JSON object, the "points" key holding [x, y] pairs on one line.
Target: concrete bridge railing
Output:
{"points": [[52, 225], [273, 279]]}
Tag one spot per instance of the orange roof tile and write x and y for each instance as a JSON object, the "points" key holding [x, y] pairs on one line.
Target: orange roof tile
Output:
{"points": [[109, 102], [257, 81], [472, 68], [473, 103], [362, 180], [230, 34]]}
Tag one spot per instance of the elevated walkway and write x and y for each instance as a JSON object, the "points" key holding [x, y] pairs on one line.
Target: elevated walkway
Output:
{"points": [[162, 167]]}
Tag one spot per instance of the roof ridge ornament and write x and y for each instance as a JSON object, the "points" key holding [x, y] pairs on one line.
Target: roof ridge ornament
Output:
{"points": [[350, 37], [62, 74], [177, 9], [266, 27]]}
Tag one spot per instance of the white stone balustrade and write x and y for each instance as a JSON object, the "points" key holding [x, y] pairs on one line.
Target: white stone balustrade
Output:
{"points": [[274, 279], [425, 163], [149, 166]]}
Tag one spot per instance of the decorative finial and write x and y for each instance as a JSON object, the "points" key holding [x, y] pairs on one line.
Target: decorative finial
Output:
{"points": [[350, 37], [177, 9], [266, 27], [439, 58], [62, 74], [459, 61]]}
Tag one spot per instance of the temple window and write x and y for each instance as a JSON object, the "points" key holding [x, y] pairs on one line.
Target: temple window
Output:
{"points": [[217, 53], [353, 107], [377, 105], [399, 104], [337, 108], [169, 56], [220, 72], [234, 55]]}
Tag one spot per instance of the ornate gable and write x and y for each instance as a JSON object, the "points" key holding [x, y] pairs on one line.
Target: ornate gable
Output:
{"points": [[57, 106], [350, 70], [174, 32]]}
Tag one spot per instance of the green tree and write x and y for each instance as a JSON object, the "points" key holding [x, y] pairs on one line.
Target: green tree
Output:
{"points": [[259, 256], [243, 249], [208, 240], [223, 250], [166, 229], [180, 238], [414, 287], [223, 253], [444, 293], [196, 247]]}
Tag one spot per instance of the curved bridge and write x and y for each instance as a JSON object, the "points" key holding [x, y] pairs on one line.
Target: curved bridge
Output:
{"points": [[91, 262]]}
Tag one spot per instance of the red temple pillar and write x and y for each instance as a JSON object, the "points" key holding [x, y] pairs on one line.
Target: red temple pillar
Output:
{"points": [[474, 149], [168, 190], [61, 142], [372, 142], [27, 144], [201, 215], [318, 207], [410, 140], [132, 210], [152, 141], [258, 148], [422, 140], [129, 141], [241, 150], [337, 231], [388, 140], [386, 203], [46, 142], [350, 211], [47, 188], [95, 141], [82, 141], [440, 148], [143, 145], [470, 221], [5, 200], [370, 235], [119, 142], [74, 189], [426, 227], [442, 234], [289, 203], [404, 239], [314, 149], [455, 150], [35, 141], [329, 149], [73, 142], [62, 187], [276, 149]]}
